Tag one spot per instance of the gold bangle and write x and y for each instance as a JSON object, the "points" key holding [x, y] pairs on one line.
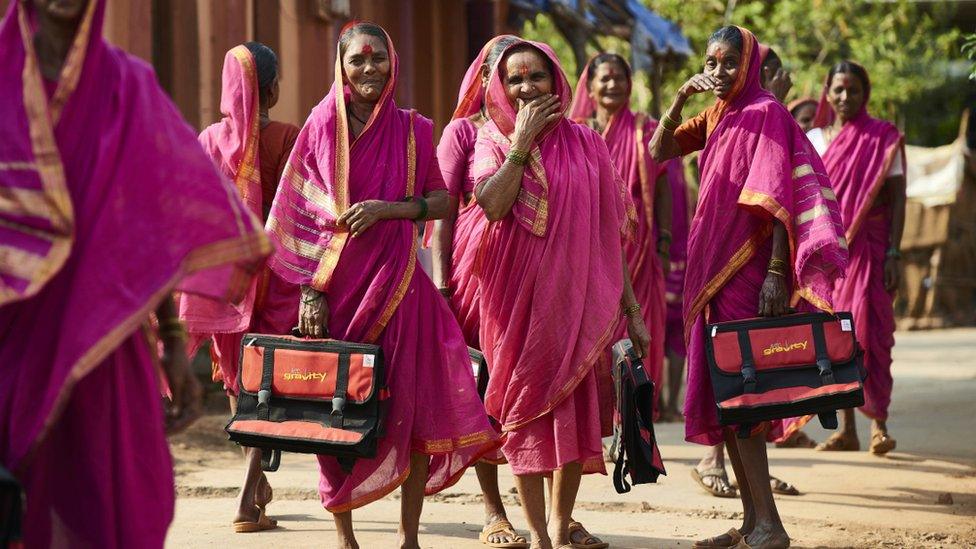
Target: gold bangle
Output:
{"points": [[669, 123], [518, 157], [635, 308], [775, 272], [776, 263]]}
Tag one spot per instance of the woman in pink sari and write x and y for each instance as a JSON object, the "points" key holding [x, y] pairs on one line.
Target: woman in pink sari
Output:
{"points": [[96, 231], [803, 110], [866, 161], [766, 220], [551, 272], [346, 233], [455, 240], [602, 102], [240, 145]]}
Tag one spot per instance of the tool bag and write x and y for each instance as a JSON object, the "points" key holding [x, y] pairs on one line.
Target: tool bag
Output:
{"points": [[788, 366], [11, 507], [312, 396], [636, 451], [479, 367]]}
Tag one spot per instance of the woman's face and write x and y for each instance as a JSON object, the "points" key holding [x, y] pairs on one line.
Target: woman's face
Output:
{"points": [[845, 95], [722, 61], [804, 116], [769, 71], [526, 76], [366, 65], [61, 10], [610, 87]]}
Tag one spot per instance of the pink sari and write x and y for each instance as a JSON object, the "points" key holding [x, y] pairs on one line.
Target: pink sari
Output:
{"points": [[627, 136], [95, 229], [858, 160], [674, 288], [375, 291], [271, 304], [550, 279], [756, 166]]}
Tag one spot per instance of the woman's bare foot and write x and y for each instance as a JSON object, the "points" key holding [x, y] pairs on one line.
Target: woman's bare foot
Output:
{"points": [[798, 439], [264, 494]]}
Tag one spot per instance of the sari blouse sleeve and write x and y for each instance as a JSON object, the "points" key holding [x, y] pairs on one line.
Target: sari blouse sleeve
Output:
{"points": [[434, 180], [453, 153], [691, 134]]}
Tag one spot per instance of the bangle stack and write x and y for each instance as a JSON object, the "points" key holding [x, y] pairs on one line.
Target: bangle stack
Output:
{"points": [[632, 310], [518, 157], [670, 124], [423, 206], [777, 267]]}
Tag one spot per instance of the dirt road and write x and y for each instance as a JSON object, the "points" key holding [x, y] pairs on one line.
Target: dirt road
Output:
{"points": [[922, 495]]}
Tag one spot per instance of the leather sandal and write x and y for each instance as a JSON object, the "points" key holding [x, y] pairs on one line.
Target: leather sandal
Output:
{"points": [[714, 543], [505, 528]]}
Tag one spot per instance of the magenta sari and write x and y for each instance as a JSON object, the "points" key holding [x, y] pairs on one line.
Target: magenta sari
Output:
{"points": [[271, 304], [95, 229], [627, 136], [858, 160], [550, 279], [674, 285], [756, 166], [375, 291]]}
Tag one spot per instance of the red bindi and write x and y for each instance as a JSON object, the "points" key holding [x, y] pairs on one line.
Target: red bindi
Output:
{"points": [[367, 49], [613, 73], [524, 70]]}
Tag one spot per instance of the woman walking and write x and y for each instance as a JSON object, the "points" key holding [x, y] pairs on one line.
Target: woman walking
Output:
{"points": [[766, 227], [96, 230], [346, 232], [250, 149], [552, 277], [865, 160]]}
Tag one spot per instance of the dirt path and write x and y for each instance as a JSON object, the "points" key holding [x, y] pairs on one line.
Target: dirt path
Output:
{"points": [[923, 495]]}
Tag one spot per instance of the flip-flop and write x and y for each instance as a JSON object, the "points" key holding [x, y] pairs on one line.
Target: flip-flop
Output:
{"points": [[782, 487], [594, 542], [719, 473], [263, 523], [713, 543], [506, 528], [882, 443]]}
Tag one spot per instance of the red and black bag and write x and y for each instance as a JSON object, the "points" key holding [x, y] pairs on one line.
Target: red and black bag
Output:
{"points": [[312, 396], [788, 366], [635, 446]]}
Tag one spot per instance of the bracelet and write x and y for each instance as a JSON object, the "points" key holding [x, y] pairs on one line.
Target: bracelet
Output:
{"points": [[775, 272], [635, 308], [778, 264], [893, 253], [518, 157], [423, 206], [664, 235], [669, 123]]}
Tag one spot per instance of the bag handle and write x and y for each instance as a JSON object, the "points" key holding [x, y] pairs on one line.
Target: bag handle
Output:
{"points": [[267, 376], [342, 386], [823, 357], [748, 362]]}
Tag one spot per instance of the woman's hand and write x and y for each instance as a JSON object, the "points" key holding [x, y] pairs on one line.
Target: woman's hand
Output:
{"points": [[640, 338], [892, 273], [313, 313], [533, 116], [363, 215], [773, 298], [699, 83], [186, 404], [780, 84]]}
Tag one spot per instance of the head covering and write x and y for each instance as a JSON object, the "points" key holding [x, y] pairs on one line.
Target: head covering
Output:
{"points": [[471, 95], [583, 106], [825, 113], [763, 54], [110, 203], [799, 102], [314, 188]]}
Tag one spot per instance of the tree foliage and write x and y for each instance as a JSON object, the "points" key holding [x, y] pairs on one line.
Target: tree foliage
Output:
{"points": [[910, 50]]}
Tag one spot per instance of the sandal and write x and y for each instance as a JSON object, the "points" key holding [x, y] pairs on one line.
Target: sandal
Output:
{"points": [[882, 443], [717, 488], [505, 528], [589, 541], [782, 488], [715, 543], [798, 439], [263, 523], [839, 442]]}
